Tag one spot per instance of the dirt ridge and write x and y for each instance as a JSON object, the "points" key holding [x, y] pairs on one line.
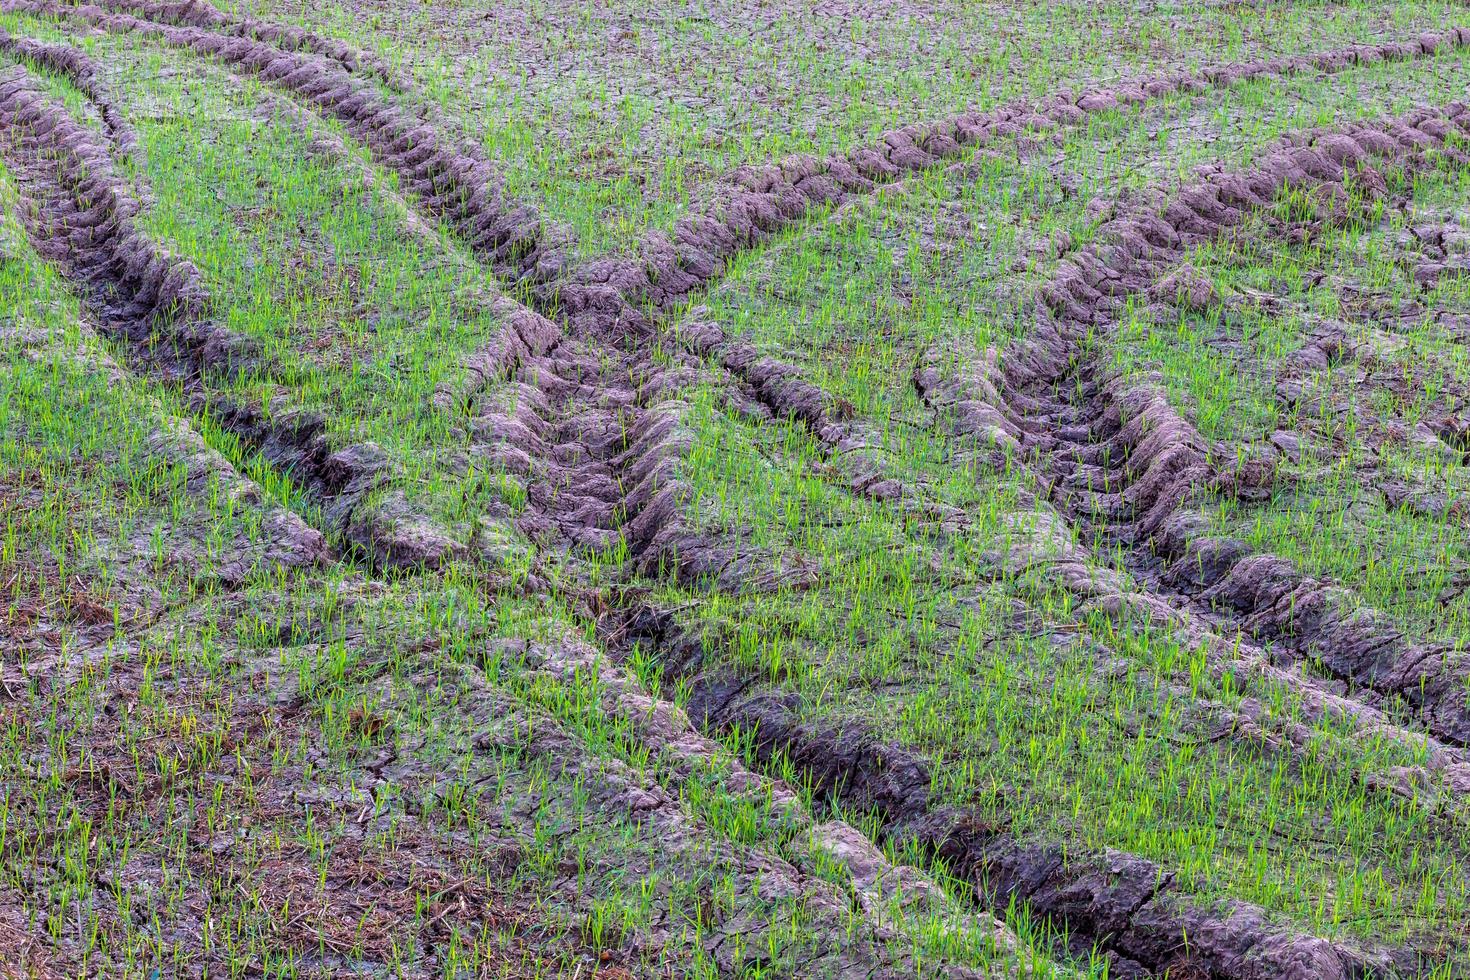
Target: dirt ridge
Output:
{"points": [[200, 13], [1123, 458], [1159, 456], [780, 387], [78, 68], [1042, 537]]}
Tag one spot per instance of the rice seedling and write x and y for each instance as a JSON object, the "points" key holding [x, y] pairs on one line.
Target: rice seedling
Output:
{"points": [[578, 490]]}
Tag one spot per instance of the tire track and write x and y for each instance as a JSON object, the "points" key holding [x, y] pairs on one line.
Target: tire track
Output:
{"points": [[544, 427], [1118, 459], [608, 297], [618, 303], [597, 437], [567, 436], [83, 218], [74, 65], [877, 883], [457, 184], [1363, 349], [605, 431], [1126, 907], [862, 945], [577, 440], [49, 144], [288, 541], [1130, 906], [156, 305], [614, 295], [1022, 408], [1043, 540], [199, 13], [611, 297]]}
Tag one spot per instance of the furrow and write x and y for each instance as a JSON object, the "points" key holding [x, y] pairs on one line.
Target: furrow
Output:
{"points": [[667, 730], [1112, 902], [199, 13], [79, 69], [288, 541], [576, 427]]}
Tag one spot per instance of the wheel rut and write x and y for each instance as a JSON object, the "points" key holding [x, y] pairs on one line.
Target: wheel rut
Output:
{"points": [[612, 296], [615, 307], [593, 420], [1127, 905], [154, 304], [589, 457], [74, 64], [1128, 908], [196, 13], [1123, 465], [1118, 462], [455, 183]]}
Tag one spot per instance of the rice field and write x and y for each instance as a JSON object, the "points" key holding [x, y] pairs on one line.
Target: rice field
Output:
{"points": [[555, 489]]}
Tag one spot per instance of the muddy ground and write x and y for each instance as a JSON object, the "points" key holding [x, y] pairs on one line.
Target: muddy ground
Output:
{"points": [[981, 502]]}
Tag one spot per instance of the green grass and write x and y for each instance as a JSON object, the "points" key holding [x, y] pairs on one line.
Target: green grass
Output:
{"points": [[312, 766], [1049, 718], [243, 702], [308, 253], [537, 84], [1328, 513]]}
